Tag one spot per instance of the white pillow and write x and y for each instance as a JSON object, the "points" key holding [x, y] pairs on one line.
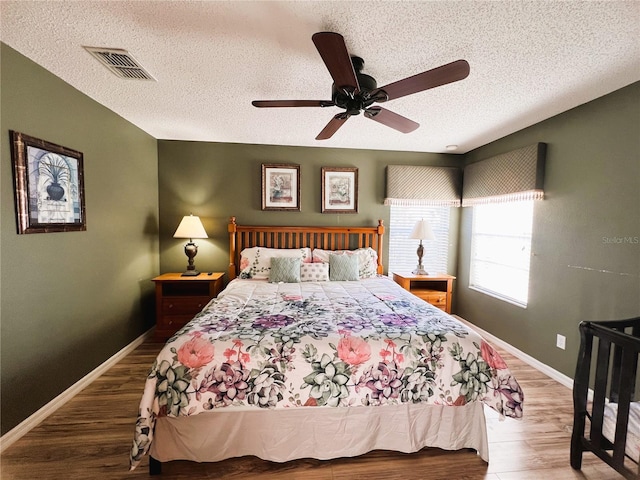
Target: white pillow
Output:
{"points": [[314, 272], [367, 259], [255, 262]]}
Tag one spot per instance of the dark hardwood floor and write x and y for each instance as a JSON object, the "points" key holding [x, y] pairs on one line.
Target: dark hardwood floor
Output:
{"points": [[90, 437]]}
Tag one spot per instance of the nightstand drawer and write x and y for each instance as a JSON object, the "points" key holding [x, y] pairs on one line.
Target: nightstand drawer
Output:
{"points": [[183, 305], [434, 297], [172, 323]]}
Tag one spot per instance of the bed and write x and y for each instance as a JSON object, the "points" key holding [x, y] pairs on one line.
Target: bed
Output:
{"points": [[609, 424], [310, 352]]}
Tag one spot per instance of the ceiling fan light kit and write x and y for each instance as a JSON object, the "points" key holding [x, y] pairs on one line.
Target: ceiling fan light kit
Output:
{"points": [[356, 92]]}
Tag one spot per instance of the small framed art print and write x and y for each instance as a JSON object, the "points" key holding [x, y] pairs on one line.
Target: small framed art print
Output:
{"points": [[339, 190], [280, 187]]}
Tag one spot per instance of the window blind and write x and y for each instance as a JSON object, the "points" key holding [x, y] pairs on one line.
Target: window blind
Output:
{"points": [[501, 250], [513, 176], [421, 185], [403, 255]]}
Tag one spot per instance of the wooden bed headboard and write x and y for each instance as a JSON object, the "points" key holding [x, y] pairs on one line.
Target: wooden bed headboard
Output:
{"points": [[327, 238]]}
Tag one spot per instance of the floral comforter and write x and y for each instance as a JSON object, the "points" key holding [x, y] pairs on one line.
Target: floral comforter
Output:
{"points": [[262, 345]]}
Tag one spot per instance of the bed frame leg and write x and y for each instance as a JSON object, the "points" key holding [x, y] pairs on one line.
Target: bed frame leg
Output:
{"points": [[155, 466]]}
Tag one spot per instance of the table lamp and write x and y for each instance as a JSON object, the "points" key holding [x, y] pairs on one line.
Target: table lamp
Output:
{"points": [[421, 231], [190, 227]]}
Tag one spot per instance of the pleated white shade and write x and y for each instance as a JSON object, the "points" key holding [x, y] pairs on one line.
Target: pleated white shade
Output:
{"points": [[190, 227], [422, 231]]}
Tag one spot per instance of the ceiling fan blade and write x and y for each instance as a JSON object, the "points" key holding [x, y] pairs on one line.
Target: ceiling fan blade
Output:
{"points": [[292, 103], [333, 51], [332, 127], [391, 119], [449, 73]]}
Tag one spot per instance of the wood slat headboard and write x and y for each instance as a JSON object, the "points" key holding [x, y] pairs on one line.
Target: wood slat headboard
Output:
{"points": [[327, 238]]}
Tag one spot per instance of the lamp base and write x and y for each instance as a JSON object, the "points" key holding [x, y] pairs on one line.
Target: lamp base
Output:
{"points": [[420, 271], [190, 250], [190, 273]]}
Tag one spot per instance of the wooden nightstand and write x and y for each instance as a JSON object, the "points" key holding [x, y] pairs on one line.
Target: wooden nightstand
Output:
{"points": [[435, 289], [178, 299]]}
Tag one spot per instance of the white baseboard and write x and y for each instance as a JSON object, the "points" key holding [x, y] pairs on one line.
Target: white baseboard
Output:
{"points": [[528, 359], [37, 417]]}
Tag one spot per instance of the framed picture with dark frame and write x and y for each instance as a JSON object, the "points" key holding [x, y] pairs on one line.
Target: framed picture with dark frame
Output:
{"points": [[339, 190], [49, 186], [280, 187]]}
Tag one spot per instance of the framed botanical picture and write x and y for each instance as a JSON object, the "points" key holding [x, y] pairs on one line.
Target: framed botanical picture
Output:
{"points": [[280, 187], [339, 190], [49, 186]]}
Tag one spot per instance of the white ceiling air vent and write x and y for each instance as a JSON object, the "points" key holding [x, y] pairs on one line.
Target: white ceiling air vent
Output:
{"points": [[120, 62]]}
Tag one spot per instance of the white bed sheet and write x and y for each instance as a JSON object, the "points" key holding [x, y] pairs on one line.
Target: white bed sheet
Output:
{"points": [[283, 435]]}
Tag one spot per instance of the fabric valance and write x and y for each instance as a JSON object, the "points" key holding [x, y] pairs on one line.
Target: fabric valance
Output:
{"points": [[420, 185], [513, 176]]}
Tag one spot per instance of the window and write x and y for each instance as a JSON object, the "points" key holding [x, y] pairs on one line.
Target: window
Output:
{"points": [[501, 250], [402, 249]]}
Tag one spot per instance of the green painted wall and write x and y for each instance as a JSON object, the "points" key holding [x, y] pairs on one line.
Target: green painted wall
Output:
{"points": [[216, 181], [71, 300], [579, 271]]}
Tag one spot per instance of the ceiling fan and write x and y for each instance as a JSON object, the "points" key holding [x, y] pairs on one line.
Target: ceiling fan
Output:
{"points": [[356, 92]]}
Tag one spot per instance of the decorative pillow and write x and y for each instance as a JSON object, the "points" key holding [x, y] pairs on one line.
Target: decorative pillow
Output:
{"points": [[285, 269], [343, 267], [367, 259], [255, 262], [314, 272]]}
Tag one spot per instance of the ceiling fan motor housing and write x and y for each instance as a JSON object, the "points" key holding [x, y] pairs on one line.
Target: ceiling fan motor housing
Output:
{"points": [[344, 97]]}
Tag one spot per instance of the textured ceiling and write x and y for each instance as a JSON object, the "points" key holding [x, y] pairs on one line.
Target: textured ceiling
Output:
{"points": [[529, 60]]}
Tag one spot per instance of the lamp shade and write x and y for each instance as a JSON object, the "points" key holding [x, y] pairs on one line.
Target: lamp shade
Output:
{"points": [[190, 227], [422, 231]]}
